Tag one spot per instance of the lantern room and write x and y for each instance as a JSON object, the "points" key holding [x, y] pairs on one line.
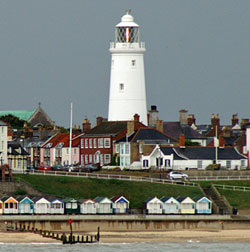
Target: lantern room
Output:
{"points": [[127, 31]]}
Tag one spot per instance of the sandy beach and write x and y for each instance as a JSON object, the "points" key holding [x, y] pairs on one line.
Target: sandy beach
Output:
{"points": [[131, 237]]}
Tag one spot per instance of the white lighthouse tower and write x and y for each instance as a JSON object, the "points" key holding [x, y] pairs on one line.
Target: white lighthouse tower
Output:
{"points": [[127, 95]]}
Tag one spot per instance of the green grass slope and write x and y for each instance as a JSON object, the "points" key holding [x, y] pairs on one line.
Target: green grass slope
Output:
{"points": [[82, 188]]}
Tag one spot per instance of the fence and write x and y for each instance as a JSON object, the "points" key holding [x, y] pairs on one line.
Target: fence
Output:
{"points": [[233, 188], [212, 178], [108, 176]]}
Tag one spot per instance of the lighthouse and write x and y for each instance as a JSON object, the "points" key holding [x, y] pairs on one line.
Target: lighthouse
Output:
{"points": [[127, 94]]}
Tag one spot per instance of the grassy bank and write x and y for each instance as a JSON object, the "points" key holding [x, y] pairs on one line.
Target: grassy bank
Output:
{"points": [[82, 188]]}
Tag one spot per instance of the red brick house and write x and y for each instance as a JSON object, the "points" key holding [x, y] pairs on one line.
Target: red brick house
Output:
{"points": [[97, 144]]}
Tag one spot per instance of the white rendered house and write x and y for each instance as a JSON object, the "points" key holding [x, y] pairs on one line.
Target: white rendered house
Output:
{"points": [[3, 143], [127, 95]]}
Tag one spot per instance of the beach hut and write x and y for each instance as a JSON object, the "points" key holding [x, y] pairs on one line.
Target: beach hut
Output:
{"points": [[104, 205], [10, 205], [56, 206], [41, 205], [25, 205], [120, 204], [72, 206], [153, 205], [203, 205], [187, 205], [170, 205], [1, 206], [88, 206]]}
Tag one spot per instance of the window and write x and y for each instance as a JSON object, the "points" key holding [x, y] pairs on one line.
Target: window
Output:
{"points": [[145, 163], [140, 148], [67, 151], [86, 143], [90, 159], [167, 163], [100, 142], [228, 164], [126, 148], [133, 62], [107, 143], [117, 148], [107, 158], [82, 159], [74, 151], [121, 87], [94, 142], [90, 143], [199, 164], [243, 163], [86, 159], [82, 143]]}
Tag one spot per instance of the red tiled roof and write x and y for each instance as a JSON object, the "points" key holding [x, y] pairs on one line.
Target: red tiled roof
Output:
{"points": [[62, 138]]}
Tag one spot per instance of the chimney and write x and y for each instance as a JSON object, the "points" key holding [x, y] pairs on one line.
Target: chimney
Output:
{"points": [[182, 141], [99, 120], [235, 120], [130, 127], [159, 125], [136, 118], [183, 116], [153, 116], [191, 120], [227, 132], [215, 120], [86, 125], [221, 142]]}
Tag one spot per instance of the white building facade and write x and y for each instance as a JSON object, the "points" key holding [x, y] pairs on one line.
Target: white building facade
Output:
{"points": [[127, 95], [3, 143]]}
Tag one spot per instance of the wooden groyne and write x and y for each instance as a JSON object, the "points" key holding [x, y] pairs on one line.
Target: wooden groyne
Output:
{"points": [[65, 238]]}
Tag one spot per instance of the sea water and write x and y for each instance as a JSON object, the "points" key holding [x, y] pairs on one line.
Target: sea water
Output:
{"points": [[128, 247]]}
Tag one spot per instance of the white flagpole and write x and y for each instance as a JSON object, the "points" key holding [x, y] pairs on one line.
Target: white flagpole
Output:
{"points": [[70, 133]]}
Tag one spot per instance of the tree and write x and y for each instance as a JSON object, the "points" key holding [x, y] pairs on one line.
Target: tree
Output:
{"points": [[14, 121]]}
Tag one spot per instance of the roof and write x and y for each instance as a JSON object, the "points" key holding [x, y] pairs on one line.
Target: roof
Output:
{"points": [[175, 129], [21, 114], [202, 153], [61, 140], [108, 128], [119, 198]]}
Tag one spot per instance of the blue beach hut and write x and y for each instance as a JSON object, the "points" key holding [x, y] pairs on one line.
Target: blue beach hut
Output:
{"points": [[26, 205], [203, 205]]}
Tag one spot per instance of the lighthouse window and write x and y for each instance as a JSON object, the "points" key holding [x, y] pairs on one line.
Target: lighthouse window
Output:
{"points": [[121, 86], [133, 62]]}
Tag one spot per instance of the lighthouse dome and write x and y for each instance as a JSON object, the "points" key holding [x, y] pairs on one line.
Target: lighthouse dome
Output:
{"points": [[127, 20]]}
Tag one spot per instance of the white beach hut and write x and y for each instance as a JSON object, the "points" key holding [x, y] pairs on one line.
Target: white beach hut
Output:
{"points": [[120, 204], [41, 206], [104, 206], [153, 205], [170, 205], [88, 206], [56, 206]]}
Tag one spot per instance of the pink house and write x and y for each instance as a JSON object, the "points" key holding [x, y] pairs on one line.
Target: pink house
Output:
{"points": [[56, 150]]}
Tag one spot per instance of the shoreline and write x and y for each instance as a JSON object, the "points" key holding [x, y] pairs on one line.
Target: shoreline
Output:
{"points": [[237, 235]]}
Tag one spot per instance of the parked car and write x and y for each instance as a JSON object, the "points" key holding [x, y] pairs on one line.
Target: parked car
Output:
{"points": [[31, 168], [44, 168], [177, 175]]}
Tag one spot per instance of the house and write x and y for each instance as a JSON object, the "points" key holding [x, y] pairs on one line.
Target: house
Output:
{"points": [[88, 206], [170, 205], [56, 150], [187, 205], [25, 205], [10, 205], [104, 205], [139, 143], [120, 204], [72, 206], [97, 144], [194, 157], [56, 206], [17, 156], [153, 205], [3, 143], [41, 205], [185, 126], [203, 205]]}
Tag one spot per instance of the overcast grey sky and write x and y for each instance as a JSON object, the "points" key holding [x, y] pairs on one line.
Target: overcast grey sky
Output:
{"points": [[57, 51]]}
